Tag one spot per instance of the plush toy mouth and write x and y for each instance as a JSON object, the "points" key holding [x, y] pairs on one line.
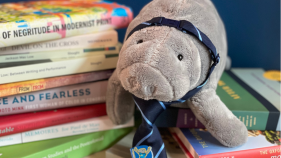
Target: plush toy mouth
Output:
{"points": [[146, 82]]}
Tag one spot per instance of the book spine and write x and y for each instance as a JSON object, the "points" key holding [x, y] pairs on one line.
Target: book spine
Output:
{"points": [[180, 143], [95, 40], [12, 124], [86, 146], [267, 152], [59, 54], [47, 83], [253, 120], [67, 147], [68, 96], [61, 25], [74, 128], [270, 121], [268, 89], [186, 119], [58, 68]]}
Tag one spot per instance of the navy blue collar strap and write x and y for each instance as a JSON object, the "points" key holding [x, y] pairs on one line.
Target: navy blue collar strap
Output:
{"points": [[188, 28]]}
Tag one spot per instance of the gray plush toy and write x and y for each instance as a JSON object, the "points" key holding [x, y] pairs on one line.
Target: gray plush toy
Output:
{"points": [[149, 68]]}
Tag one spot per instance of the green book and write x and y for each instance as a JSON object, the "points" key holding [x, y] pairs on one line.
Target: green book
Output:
{"points": [[254, 99], [77, 146]]}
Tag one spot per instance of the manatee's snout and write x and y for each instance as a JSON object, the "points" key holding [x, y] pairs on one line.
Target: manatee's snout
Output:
{"points": [[147, 82], [133, 82]]}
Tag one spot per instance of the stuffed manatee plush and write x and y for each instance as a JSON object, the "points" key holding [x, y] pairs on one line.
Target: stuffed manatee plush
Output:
{"points": [[163, 63]]}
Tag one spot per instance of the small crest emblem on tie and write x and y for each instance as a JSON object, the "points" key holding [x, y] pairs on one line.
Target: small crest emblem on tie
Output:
{"points": [[142, 151]]}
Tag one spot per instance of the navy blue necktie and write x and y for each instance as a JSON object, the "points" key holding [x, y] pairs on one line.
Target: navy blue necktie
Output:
{"points": [[147, 135], [147, 141]]}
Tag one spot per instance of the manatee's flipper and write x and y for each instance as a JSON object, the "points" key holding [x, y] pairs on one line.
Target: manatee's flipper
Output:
{"points": [[119, 102], [218, 119]]}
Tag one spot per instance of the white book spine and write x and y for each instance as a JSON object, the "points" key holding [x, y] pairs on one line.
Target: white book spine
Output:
{"points": [[74, 95], [94, 40], [74, 128], [59, 54], [58, 68]]}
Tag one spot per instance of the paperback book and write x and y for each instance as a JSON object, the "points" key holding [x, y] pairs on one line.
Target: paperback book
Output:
{"points": [[18, 71], [36, 21], [59, 54], [18, 123], [94, 40], [69, 129], [68, 147], [254, 99], [61, 97], [47, 83], [201, 144]]}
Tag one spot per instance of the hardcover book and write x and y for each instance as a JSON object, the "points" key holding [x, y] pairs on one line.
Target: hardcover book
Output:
{"points": [[201, 144], [251, 97], [68, 129], [68, 147], [18, 123], [35, 21], [61, 97]]}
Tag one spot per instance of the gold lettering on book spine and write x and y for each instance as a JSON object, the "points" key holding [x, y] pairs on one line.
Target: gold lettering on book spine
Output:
{"points": [[228, 90]]}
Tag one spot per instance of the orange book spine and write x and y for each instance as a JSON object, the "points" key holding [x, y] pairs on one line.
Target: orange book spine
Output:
{"points": [[47, 83]]}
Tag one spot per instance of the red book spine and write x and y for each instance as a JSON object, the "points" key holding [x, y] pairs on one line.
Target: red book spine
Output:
{"points": [[182, 146], [267, 152], [17, 123]]}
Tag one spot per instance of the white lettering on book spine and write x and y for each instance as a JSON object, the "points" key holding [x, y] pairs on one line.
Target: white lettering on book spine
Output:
{"points": [[6, 130]]}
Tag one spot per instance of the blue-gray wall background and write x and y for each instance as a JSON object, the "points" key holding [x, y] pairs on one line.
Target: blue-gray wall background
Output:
{"points": [[253, 30]]}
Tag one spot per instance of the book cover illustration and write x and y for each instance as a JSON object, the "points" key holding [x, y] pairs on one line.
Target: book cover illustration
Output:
{"points": [[47, 20], [205, 144]]}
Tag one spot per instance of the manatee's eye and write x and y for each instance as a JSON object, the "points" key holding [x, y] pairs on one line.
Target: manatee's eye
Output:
{"points": [[180, 57], [139, 41]]}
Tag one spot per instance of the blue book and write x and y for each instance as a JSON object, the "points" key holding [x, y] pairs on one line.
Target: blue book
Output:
{"points": [[201, 144]]}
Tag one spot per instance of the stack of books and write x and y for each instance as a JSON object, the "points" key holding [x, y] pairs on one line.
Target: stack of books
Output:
{"points": [[252, 97], [55, 60]]}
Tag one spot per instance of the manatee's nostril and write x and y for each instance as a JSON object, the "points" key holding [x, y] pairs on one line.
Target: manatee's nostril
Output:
{"points": [[133, 82], [151, 89]]}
